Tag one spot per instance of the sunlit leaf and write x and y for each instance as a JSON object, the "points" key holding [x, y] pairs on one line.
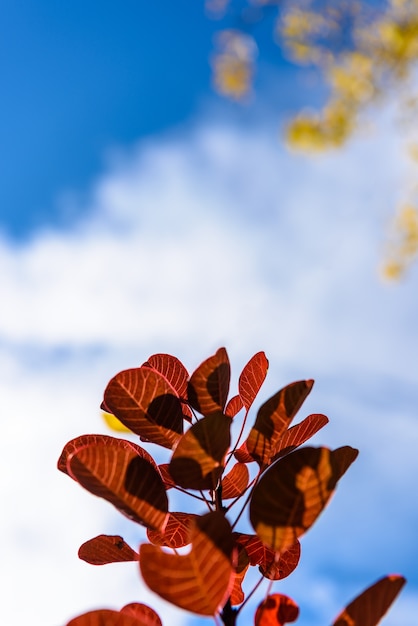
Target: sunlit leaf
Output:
{"points": [[106, 549], [175, 374], [234, 406], [86, 440], [199, 457], [276, 610], [273, 418], [235, 482], [176, 533], [299, 433], [209, 385], [201, 580], [371, 605], [119, 474], [273, 565], [292, 493], [251, 378], [146, 403]]}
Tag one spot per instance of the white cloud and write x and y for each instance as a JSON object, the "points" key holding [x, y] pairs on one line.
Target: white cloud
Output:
{"points": [[189, 244]]}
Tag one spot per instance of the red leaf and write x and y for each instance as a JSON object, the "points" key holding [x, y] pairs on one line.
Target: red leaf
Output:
{"points": [[235, 482], [298, 434], [201, 580], [176, 533], [106, 549], [251, 378], [273, 418], [371, 605], [234, 406], [199, 458], [276, 610], [209, 385], [292, 493], [118, 473], [145, 402]]}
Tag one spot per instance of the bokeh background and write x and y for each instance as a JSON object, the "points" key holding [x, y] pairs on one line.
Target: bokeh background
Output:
{"points": [[142, 213]]}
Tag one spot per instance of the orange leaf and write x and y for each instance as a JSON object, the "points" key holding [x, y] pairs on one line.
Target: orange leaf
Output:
{"points": [[235, 482], [106, 617], [276, 610], [273, 418], [201, 580], [165, 475], [371, 605], [145, 615], [251, 378], [198, 460], [234, 406], [176, 533], [106, 549], [147, 404], [209, 385], [299, 433], [292, 493], [273, 565], [118, 473], [237, 594], [241, 454]]}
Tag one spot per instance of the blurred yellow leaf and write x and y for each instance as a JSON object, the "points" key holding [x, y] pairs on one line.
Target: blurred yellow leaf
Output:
{"points": [[113, 423]]}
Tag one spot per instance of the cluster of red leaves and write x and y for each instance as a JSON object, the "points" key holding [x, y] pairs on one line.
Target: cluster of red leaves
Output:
{"points": [[290, 487]]}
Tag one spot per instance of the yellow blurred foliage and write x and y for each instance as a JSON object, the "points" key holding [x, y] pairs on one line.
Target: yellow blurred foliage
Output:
{"points": [[233, 64], [114, 424], [404, 245]]}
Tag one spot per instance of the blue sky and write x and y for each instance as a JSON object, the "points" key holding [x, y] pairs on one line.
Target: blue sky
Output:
{"points": [[140, 214]]}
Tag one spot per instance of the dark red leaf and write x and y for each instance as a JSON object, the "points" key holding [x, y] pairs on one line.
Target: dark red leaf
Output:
{"points": [[273, 418], [208, 386], [235, 482], [166, 476], [276, 610], [199, 458], [371, 605], [144, 401], [119, 474], [251, 378], [175, 373], [201, 580], [292, 493], [176, 533], [106, 549], [87, 440]]}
